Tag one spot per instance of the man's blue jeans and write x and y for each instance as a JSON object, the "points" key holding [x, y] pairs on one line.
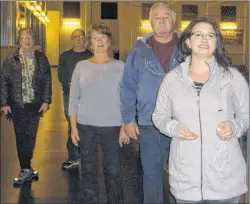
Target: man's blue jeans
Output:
{"points": [[154, 149], [73, 151]]}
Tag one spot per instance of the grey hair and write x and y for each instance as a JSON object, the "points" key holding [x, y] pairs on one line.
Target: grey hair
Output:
{"points": [[156, 5], [28, 30]]}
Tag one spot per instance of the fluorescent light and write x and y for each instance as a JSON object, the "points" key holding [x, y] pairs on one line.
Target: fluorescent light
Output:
{"points": [[184, 24], [228, 25], [43, 14], [145, 24], [71, 23]]}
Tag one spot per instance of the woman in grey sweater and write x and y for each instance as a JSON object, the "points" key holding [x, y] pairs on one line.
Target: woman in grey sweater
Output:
{"points": [[94, 110], [203, 104]]}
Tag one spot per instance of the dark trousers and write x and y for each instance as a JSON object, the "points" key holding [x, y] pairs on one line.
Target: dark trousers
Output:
{"points": [[25, 122], [73, 151], [107, 137]]}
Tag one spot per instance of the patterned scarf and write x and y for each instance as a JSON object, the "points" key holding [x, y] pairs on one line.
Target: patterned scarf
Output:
{"points": [[27, 59]]}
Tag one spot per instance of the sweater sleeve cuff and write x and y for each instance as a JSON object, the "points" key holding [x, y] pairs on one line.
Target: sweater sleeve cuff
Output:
{"points": [[234, 127], [127, 119], [177, 129]]}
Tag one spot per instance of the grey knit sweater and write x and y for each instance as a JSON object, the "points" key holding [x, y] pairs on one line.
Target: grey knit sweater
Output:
{"points": [[95, 93]]}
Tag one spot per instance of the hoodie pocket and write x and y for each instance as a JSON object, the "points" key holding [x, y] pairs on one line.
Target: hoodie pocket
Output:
{"points": [[187, 165]]}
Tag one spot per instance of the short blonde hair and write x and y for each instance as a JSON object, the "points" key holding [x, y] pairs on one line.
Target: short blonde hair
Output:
{"points": [[99, 28], [157, 5]]}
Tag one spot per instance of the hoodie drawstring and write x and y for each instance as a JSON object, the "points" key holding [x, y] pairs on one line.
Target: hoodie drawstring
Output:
{"points": [[219, 93]]}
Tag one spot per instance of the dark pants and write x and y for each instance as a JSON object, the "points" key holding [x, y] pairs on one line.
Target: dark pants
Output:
{"points": [[154, 149], [107, 137], [25, 122], [73, 151]]}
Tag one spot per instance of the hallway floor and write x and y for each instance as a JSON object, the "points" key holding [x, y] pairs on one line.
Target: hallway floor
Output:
{"points": [[54, 185]]}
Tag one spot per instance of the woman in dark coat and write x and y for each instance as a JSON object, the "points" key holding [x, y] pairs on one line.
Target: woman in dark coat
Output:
{"points": [[25, 97]]}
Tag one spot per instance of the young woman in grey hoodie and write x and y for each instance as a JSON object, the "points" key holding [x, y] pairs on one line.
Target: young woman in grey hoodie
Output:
{"points": [[203, 104]]}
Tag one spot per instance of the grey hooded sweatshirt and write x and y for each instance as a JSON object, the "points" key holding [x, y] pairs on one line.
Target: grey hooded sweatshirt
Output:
{"points": [[206, 168]]}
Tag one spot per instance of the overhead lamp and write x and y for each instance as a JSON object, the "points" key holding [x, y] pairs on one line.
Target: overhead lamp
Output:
{"points": [[36, 13], [46, 19], [43, 14], [31, 7], [38, 8]]}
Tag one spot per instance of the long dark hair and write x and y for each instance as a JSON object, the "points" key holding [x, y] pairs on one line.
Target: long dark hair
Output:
{"points": [[223, 59]]}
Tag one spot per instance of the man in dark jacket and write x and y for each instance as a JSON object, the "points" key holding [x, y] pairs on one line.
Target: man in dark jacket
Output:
{"points": [[67, 63]]}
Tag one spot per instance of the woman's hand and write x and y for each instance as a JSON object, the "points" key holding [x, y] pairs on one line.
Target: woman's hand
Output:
{"points": [[6, 109], [75, 137], [186, 134], [44, 108], [224, 131]]}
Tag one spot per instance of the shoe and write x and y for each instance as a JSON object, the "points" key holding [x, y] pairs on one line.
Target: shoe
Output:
{"points": [[69, 164], [34, 174], [25, 175]]}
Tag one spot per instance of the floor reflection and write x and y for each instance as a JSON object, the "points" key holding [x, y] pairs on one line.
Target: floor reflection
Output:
{"points": [[26, 194], [74, 185]]}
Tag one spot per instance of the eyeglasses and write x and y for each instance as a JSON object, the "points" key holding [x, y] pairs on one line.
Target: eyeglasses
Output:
{"points": [[26, 38], [78, 36], [199, 35]]}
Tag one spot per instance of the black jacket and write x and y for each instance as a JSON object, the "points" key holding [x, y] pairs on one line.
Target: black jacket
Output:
{"points": [[11, 81]]}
